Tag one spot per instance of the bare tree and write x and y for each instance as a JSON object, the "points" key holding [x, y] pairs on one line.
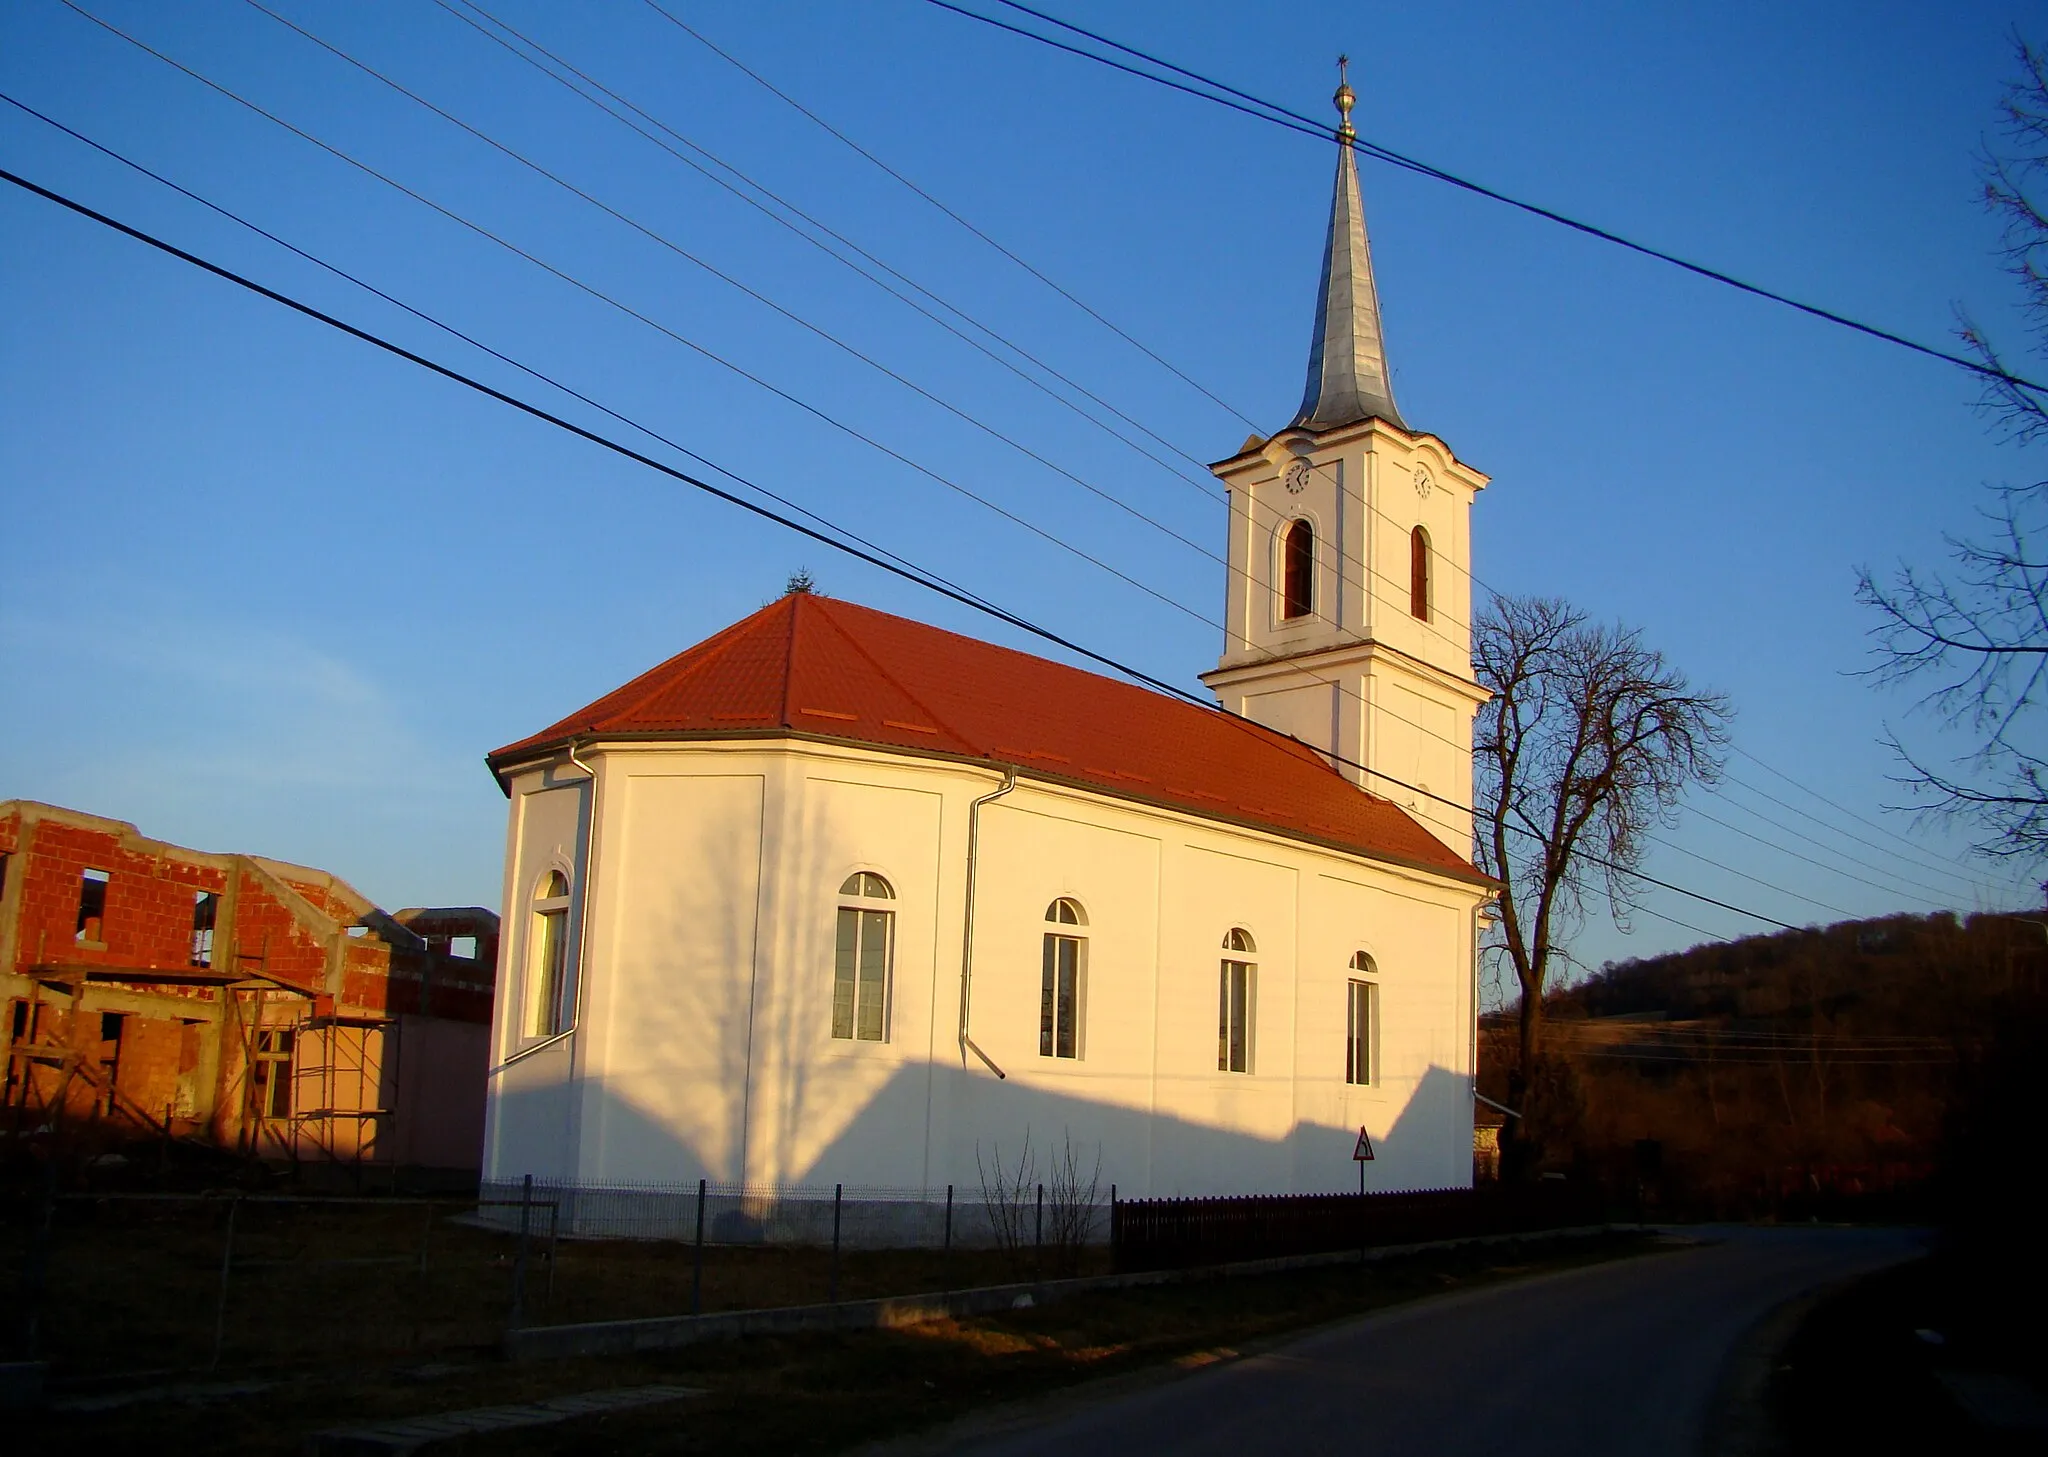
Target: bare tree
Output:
{"points": [[1977, 632], [1586, 745], [1072, 1197], [1007, 1196]]}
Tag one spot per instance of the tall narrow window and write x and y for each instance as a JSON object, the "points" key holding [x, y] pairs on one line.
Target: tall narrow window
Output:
{"points": [[272, 1074], [547, 976], [205, 911], [1362, 1022], [1418, 573], [863, 959], [1237, 994], [1060, 988], [1298, 571], [92, 907]]}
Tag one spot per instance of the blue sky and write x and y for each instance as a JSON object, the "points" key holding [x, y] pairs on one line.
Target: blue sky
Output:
{"points": [[267, 590]]}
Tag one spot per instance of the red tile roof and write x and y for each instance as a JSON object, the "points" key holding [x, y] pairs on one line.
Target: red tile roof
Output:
{"points": [[829, 669]]}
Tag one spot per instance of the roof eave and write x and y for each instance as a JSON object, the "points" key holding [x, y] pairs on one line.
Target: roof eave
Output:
{"points": [[505, 762]]}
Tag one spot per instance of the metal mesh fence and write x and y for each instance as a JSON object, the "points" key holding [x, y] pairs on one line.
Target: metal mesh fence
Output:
{"points": [[867, 1216]]}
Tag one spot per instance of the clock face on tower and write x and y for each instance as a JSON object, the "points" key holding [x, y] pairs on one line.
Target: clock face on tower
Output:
{"points": [[1296, 478]]}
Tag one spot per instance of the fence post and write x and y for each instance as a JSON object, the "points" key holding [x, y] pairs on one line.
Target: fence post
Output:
{"points": [[1038, 1232], [220, 1309], [35, 1269], [1115, 1220], [518, 1317], [697, 1268], [547, 1299], [419, 1307], [833, 1293], [947, 1248]]}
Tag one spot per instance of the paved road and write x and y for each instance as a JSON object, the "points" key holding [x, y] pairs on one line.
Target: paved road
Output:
{"points": [[1617, 1359]]}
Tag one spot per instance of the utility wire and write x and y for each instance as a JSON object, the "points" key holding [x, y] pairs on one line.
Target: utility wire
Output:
{"points": [[700, 349], [1841, 809], [1897, 865], [874, 559], [1292, 120], [1454, 804], [652, 323], [1888, 889], [468, 339], [791, 315], [880, 163], [662, 328], [1259, 732], [1071, 298], [1202, 482]]}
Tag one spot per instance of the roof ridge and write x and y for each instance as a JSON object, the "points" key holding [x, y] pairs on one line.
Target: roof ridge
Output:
{"points": [[895, 682], [704, 654], [789, 659]]}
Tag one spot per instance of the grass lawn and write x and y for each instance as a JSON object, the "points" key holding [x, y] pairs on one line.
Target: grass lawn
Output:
{"points": [[818, 1393]]}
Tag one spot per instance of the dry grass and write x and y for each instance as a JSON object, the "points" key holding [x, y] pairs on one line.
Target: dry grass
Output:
{"points": [[823, 1393], [135, 1286]]}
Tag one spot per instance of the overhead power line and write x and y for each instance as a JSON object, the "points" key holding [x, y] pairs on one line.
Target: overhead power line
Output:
{"points": [[1949, 869], [1057, 288], [469, 339], [1222, 94], [836, 542], [1415, 790], [1459, 807], [700, 349]]}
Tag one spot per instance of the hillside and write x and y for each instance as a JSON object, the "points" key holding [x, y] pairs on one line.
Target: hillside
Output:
{"points": [[1735, 1077]]}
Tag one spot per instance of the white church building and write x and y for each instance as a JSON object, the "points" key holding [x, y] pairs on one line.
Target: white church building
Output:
{"points": [[838, 897]]}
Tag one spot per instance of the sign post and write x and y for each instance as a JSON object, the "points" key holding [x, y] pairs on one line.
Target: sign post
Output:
{"points": [[1362, 1155]]}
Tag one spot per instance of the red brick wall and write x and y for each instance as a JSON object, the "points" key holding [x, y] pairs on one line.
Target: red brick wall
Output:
{"points": [[148, 919], [269, 936]]}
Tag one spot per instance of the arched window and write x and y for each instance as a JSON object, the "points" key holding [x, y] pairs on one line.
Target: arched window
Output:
{"points": [[1418, 573], [1236, 996], [548, 999], [1063, 985], [863, 960], [1298, 571], [1362, 1022]]}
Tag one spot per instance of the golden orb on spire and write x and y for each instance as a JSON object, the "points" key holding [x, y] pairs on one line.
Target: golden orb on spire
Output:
{"points": [[1344, 98]]}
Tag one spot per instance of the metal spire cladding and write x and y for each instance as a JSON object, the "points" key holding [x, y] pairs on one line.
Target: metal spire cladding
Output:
{"points": [[1347, 363]]}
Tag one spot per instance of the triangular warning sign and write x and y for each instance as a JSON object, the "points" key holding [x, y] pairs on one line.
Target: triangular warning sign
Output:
{"points": [[1363, 1153]]}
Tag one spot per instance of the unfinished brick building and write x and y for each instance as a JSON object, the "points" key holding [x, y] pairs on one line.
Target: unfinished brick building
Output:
{"points": [[262, 1007]]}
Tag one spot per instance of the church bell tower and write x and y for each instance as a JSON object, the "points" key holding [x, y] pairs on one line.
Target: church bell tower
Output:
{"points": [[1350, 596]]}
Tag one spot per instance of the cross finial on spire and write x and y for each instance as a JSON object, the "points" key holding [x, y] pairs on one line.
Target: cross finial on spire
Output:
{"points": [[1348, 378]]}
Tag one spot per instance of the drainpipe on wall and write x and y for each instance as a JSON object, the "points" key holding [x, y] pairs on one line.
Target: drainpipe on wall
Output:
{"points": [[583, 899], [967, 925]]}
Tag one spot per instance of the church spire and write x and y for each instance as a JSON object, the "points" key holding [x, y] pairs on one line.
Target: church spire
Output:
{"points": [[1347, 363]]}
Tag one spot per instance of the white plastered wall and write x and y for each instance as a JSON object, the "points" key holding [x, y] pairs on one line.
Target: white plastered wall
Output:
{"points": [[705, 1046]]}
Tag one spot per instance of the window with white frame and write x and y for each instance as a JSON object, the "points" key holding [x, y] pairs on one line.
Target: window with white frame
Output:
{"points": [[1298, 571], [1362, 1023], [548, 997], [1061, 988], [863, 959], [1236, 1002]]}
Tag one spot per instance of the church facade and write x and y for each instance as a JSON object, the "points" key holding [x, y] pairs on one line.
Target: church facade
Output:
{"points": [[837, 897]]}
